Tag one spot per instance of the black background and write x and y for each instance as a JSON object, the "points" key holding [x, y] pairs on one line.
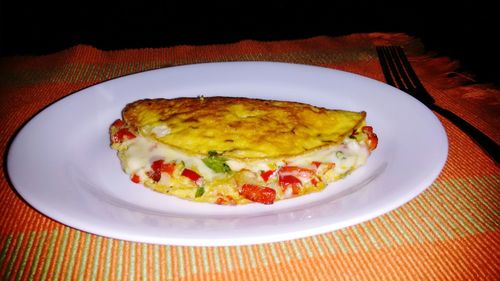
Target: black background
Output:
{"points": [[466, 32]]}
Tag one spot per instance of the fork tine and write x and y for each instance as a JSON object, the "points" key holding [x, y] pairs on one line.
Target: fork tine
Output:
{"points": [[402, 69], [397, 69], [409, 69], [400, 74], [385, 66], [392, 68], [419, 91], [392, 62]]}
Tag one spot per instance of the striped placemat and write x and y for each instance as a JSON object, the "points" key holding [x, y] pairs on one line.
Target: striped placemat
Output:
{"points": [[448, 232]]}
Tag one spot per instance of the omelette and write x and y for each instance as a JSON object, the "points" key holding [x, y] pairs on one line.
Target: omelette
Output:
{"points": [[231, 151]]}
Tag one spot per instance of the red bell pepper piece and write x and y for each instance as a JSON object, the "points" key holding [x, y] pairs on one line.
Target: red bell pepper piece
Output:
{"points": [[266, 175], [168, 168], [372, 141], [260, 194], [123, 134], [296, 171], [192, 175], [316, 164], [159, 166], [135, 178], [118, 123], [290, 181]]}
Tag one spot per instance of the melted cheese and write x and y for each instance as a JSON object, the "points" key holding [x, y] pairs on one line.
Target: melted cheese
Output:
{"points": [[141, 152]]}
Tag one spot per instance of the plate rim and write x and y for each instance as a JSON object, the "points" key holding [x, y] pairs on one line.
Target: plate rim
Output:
{"points": [[214, 241]]}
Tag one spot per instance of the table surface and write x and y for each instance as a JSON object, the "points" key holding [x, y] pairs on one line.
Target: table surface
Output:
{"points": [[447, 232]]}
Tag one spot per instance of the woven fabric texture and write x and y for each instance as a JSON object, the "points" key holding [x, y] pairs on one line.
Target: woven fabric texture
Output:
{"points": [[449, 232]]}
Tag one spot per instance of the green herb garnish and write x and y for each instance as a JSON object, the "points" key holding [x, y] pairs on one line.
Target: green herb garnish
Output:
{"points": [[199, 191], [340, 155], [216, 162]]}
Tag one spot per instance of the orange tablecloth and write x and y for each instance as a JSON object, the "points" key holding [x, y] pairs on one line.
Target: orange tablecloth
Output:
{"points": [[447, 232]]}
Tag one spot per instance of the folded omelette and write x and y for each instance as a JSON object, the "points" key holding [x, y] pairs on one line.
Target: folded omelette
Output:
{"points": [[232, 151]]}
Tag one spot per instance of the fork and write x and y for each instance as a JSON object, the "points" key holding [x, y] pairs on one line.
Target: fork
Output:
{"points": [[399, 73]]}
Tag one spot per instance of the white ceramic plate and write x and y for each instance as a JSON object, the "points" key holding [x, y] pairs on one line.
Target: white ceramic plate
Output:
{"points": [[62, 165]]}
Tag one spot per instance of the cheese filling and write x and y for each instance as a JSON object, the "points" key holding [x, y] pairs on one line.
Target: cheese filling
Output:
{"points": [[142, 152], [216, 178]]}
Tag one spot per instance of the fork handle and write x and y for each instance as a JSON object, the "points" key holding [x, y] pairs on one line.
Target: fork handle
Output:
{"points": [[486, 143]]}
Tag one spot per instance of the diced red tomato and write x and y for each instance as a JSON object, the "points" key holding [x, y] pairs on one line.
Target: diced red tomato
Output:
{"points": [[158, 167], [316, 164], [367, 129], [135, 178], [329, 165], [290, 181], [123, 134], [256, 193], [192, 175], [155, 173], [296, 171], [118, 123], [372, 141], [289, 177], [314, 181], [266, 174], [168, 168]]}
